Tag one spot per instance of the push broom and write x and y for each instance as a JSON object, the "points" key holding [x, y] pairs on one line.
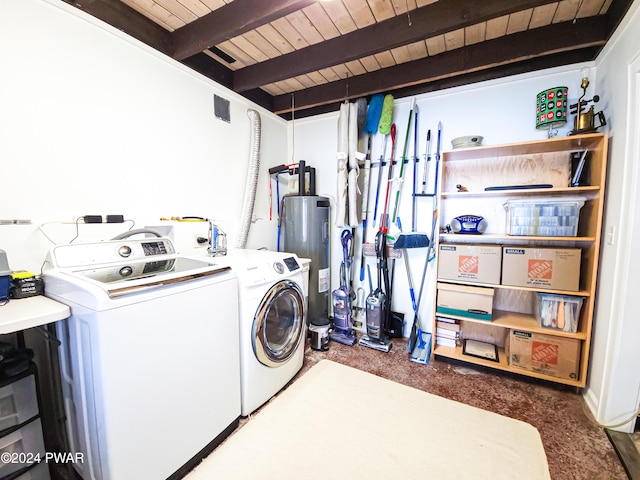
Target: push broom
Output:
{"points": [[413, 239]]}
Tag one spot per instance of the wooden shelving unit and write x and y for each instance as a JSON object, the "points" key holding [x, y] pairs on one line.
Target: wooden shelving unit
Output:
{"points": [[546, 161]]}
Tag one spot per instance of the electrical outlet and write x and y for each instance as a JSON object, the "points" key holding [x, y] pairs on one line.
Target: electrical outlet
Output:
{"points": [[200, 240]]}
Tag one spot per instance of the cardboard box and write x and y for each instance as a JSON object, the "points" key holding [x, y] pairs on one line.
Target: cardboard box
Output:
{"points": [[546, 354], [465, 301], [556, 268], [470, 263]]}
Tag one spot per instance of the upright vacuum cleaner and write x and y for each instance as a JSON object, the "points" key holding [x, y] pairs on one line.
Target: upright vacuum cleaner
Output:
{"points": [[378, 304], [342, 316]]}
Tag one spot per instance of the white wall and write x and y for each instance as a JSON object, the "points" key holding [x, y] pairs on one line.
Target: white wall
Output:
{"points": [[613, 392], [94, 122]]}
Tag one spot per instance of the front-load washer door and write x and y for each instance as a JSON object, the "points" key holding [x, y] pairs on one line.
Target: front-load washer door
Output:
{"points": [[278, 324]]}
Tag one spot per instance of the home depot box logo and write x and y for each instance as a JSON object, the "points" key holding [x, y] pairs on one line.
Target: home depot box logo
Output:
{"points": [[544, 353], [468, 264], [540, 269]]}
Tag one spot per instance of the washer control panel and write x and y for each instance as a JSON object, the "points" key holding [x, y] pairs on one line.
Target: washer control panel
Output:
{"points": [[74, 255]]}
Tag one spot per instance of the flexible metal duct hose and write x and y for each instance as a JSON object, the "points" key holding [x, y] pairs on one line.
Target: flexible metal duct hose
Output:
{"points": [[252, 179]]}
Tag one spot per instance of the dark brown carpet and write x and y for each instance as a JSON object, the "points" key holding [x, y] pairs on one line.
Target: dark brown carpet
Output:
{"points": [[576, 448]]}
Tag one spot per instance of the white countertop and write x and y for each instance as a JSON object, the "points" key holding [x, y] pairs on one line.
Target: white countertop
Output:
{"points": [[20, 314]]}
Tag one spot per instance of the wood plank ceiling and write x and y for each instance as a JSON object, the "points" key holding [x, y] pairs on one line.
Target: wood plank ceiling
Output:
{"points": [[304, 57]]}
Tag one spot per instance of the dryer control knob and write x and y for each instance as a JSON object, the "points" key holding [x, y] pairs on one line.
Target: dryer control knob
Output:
{"points": [[124, 251], [278, 267]]}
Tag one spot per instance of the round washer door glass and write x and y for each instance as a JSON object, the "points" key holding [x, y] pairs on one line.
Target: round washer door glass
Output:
{"points": [[278, 324]]}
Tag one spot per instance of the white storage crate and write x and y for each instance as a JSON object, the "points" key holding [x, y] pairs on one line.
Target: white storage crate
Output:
{"points": [[545, 217]]}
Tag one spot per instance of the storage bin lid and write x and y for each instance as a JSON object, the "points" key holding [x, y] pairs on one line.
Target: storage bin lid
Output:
{"points": [[546, 200]]}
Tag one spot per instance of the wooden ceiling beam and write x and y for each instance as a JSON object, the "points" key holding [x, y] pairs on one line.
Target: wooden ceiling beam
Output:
{"points": [[428, 21], [125, 18], [502, 71], [559, 37], [231, 20]]}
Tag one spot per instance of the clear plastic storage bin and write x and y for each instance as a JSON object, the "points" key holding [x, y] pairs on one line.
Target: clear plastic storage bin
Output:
{"points": [[553, 217], [558, 312]]}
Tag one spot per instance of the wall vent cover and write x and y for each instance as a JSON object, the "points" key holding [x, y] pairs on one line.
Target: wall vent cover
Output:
{"points": [[221, 108]]}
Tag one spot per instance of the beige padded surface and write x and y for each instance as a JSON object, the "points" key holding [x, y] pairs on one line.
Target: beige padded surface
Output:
{"points": [[337, 422]]}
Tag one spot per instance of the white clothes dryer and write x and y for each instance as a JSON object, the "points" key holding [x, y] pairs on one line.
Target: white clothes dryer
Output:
{"points": [[272, 315]]}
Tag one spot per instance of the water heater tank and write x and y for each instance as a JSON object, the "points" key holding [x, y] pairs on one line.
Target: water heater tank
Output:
{"points": [[305, 232]]}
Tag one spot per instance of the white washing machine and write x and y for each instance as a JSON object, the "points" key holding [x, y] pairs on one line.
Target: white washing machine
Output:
{"points": [[272, 315], [149, 360]]}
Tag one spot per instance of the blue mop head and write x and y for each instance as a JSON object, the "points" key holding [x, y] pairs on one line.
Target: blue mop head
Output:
{"points": [[374, 113], [422, 351]]}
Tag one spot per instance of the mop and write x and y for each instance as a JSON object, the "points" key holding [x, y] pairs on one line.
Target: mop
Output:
{"points": [[422, 351]]}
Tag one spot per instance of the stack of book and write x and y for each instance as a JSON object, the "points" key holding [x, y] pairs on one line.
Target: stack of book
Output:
{"points": [[447, 332]]}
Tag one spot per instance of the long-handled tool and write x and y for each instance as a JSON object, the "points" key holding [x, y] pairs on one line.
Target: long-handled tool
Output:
{"points": [[425, 172], [385, 129], [371, 127], [384, 221], [402, 162], [421, 351], [414, 239], [415, 169]]}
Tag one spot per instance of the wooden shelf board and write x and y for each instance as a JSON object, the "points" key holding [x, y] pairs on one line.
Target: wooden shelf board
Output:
{"points": [[518, 321], [499, 238], [579, 293], [456, 354], [558, 144]]}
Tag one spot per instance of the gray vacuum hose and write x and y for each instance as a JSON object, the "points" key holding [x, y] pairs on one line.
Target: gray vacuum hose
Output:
{"points": [[252, 179]]}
